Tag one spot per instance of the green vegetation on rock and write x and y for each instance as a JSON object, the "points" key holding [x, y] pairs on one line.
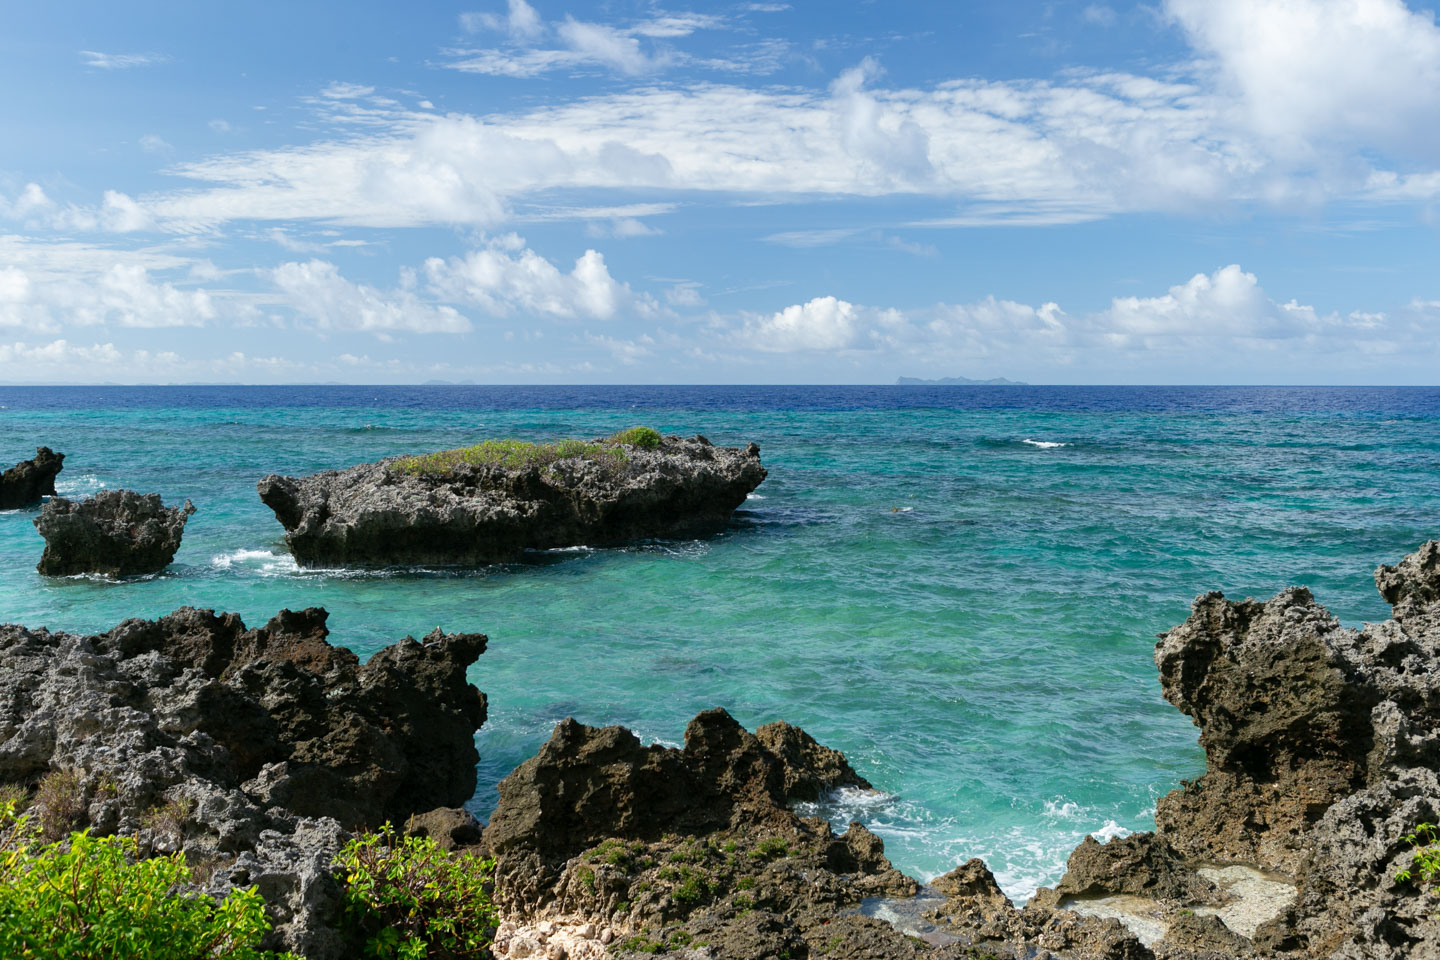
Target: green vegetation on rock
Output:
{"points": [[88, 898], [407, 899], [1425, 864], [518, 454]]}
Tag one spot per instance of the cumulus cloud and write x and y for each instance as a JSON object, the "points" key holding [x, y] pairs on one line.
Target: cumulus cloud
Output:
{"points": [[1306, 72], [37, 296], [506, 277], [1218, 321], [824, 323], [317, 293], [62, 360]]}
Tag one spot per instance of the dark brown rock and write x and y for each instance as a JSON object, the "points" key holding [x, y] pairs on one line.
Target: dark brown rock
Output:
{"points": [[116, 533], [250, 750], [378, 515], [450, 827], [697, 842], [25, 483]]}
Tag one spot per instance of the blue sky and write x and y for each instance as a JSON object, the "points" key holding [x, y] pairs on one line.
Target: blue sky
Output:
{"points": [[1184, 191]]}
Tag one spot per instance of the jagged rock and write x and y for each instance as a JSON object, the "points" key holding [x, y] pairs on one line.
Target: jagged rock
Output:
{"points": [[376, 514], [117, 533], [1141, 865], [253, 751], [25, 483], [674, 846], [450, 827], [1322, 745]]}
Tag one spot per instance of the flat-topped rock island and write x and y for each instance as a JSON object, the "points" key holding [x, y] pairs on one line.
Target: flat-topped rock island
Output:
{"points": [[491, 502]]}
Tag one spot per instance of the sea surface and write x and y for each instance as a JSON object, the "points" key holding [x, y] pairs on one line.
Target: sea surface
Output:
{"points": [[959, 587]]}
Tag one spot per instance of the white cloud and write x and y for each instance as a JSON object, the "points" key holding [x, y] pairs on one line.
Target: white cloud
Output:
{"points": [[1099, 14], [1307, 72], [508, 277], [121, 61], [48, 286], [61, 360], [220, 126], [824, 323], [153, 143], [319, 294]]}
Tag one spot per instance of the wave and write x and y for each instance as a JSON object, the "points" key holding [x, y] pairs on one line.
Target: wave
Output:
{"points": [[1044, 444], [83, 485]]}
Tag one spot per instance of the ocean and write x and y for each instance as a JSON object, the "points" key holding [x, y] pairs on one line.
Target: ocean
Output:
{"points": [[959, 587]]}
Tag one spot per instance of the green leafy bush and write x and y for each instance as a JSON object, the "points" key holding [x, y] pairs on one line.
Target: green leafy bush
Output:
{"points": [[646, 438], [407, 899], [1426, 860], [87, 898]]}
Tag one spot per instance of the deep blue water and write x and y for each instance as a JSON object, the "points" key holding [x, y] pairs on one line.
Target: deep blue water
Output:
{"points": [[957, 586]]}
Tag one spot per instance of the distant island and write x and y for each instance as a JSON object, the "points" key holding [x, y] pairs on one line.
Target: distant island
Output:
{"points": [[959, 382]]}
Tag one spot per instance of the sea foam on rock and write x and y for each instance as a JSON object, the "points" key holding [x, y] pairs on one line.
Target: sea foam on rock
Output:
{"points": [[378, 514], [25, 483], [252, 750], [117, 533]]}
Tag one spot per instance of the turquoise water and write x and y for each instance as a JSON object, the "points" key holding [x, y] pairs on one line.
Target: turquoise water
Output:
{"points": [[968, 614]]}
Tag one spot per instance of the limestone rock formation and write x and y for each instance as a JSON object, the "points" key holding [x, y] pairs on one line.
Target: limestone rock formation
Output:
{"points": [[378, 514], [253, 750], [673, 846], [25, 483], [117, 533], [1322, 747]]}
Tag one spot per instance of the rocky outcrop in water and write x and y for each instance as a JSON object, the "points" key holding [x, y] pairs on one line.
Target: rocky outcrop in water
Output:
{"points": [[671, 847], [25, 483], [117, 533], [1322, 746], [251, 750], [378, 514]]}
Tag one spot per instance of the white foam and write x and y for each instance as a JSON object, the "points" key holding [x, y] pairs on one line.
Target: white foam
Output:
{"points": [[85, 483], [1110, 831], [1044, 444], [1062, 809], [753, 496], [263, 562]]}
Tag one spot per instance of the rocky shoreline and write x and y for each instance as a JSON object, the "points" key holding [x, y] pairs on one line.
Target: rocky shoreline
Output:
{"points": [[258, 752], [453, 511]]}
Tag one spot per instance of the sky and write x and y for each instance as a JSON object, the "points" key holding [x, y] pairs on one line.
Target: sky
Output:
{"points": [[551, 191]]}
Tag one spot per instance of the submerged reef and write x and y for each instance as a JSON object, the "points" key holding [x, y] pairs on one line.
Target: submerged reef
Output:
{"points": [[491, 502], [253, 751], [117, 533], [25, 483]]}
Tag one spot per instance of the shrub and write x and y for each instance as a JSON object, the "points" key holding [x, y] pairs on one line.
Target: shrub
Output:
{"points": [[517, 454], [405, 898], [646, 438], [1426, 860], [85, 898], [514, 454]]}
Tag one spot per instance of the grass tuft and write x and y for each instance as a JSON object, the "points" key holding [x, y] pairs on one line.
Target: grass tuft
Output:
{"points": [[609, 453]]}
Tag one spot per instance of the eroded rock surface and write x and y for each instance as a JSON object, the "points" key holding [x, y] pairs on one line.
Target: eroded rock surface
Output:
{"points": [[251, 750], [1322, 745], [25, 483], [117, 533], [674, 848], [377, 515]]}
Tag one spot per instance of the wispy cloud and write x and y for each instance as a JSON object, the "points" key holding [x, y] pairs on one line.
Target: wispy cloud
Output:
{"points": [[121, 61]]}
